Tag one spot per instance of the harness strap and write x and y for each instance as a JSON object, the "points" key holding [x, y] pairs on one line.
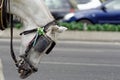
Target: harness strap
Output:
{"points": [[11, 43], [11, 39], [28, 62], [45, 28]]}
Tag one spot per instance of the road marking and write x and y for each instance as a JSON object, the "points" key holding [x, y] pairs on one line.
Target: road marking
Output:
{"points": [[84, 50], [1, 71], [72, 42], [90, 42], [81, 64]]}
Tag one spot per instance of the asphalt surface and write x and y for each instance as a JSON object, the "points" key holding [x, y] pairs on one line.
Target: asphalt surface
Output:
{"points": [[1, 71], [70, 60]]}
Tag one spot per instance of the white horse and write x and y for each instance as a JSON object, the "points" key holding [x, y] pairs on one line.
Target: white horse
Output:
{"points": [[34, 14]]}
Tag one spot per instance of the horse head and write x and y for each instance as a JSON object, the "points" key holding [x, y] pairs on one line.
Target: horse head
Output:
{"points": [[33, 14]]}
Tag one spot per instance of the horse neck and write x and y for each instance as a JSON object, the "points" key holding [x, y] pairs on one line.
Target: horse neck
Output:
{"points": [[33, 16]]}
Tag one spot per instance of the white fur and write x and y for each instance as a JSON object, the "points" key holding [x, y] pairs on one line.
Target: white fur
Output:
{"points": [[33, 13]]}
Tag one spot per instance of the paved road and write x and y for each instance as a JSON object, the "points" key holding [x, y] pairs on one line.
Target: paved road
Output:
{"points": [[1, 71], [70, 61]]}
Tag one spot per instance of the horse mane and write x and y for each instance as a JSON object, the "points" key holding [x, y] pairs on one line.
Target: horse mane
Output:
{"points": [[3, 14]]}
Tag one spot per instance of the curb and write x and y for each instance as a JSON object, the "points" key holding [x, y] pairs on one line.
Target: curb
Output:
{"points": [[1, 71], [91, 36], [74, 35]]}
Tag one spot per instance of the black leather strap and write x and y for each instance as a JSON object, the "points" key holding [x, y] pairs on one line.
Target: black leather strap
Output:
{"points": [[45, 28], [11, 43]]}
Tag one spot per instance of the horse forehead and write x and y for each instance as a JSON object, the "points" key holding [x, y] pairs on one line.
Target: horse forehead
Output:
{"points": [[25, 3], [33, 10]]}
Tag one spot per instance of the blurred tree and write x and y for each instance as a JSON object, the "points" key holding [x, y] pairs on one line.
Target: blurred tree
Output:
{"points": [[103, 0], [74, 3]]}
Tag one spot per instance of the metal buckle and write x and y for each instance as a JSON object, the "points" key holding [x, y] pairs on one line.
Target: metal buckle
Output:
{"points": [[25, 68]]}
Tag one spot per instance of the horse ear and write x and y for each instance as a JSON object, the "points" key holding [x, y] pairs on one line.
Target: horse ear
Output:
{"points": [[61, 29]]}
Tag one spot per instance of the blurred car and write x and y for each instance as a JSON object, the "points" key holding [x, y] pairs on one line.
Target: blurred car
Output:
{"points": [[59, 8], [88, 4], [108, 12]]}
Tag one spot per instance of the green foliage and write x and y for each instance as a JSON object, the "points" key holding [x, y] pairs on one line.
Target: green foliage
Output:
{"points": [[96, 27], [18, 25], [82, 27]]}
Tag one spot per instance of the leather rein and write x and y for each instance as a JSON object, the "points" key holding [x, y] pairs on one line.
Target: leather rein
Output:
{"points": [[5, 21]]}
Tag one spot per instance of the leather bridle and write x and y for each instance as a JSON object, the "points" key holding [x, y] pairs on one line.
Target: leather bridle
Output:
{"points": [[25, 33]]}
